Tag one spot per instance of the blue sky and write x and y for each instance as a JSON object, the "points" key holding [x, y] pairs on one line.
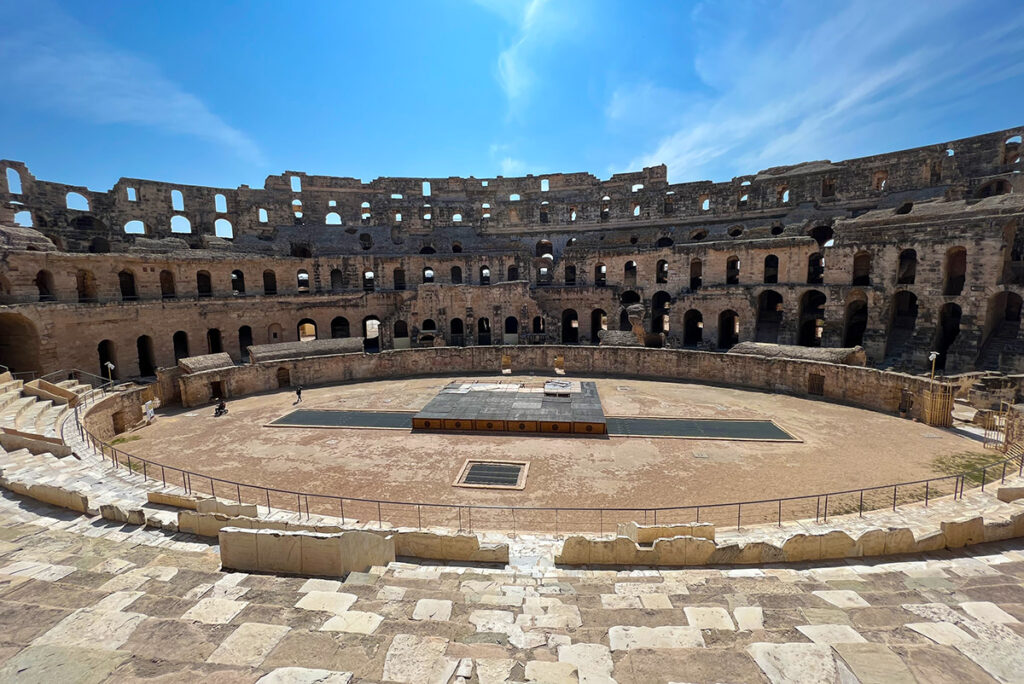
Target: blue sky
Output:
{"points": [[224, 93]]}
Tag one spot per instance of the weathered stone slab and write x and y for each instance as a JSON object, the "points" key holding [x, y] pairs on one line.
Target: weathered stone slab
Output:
{"points": [[831, 634], [623, 638], [249, 644], [795, 663], [412, 659]]}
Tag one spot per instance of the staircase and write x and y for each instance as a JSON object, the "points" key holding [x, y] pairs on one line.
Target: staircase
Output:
{"points": [[1003, 339]]}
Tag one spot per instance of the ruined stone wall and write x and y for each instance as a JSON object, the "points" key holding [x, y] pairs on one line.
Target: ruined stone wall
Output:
{"points": [[704, 276], [864, 387]]}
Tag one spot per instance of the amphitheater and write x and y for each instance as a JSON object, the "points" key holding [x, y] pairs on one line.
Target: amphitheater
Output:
{"points": [[541, 429]]}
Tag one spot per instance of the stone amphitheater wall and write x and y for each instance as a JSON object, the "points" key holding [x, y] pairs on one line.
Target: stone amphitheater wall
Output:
{"points": [[864, 387]]}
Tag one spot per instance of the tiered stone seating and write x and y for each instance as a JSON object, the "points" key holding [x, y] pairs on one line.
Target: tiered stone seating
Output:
{"points": [[78, 599]]}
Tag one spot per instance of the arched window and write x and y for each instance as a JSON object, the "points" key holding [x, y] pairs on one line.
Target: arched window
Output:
{"points": [[13, 181], [483, 331], [811, 318], [570, 274], [337, 280], [220, 203], [693, 328], [629, 274], [570, 327], [906, 272], [204, 285], [339, 327], [696, 274], [855, 322], [237, 282], [75, 201], [428, 274], [180, 224], [106, 352], [302, 280], [511, 325], [955, 272], [485, 275], [44, 284], [177, 200], [180, 342], [598, 322], [126, 282], [728, 329], [862, 268], [458, 332], [815, 269], [600, 275], [661, 272], [732, 270], [660, 305], [244, 342], [262, 213], [544, 249], [213, 342], [771, 269], [144, 353], [269, 283], [513, 273], [222, 229], [401, 329], [306, 330], [398, 277], [85, 283], [769, 317], [333, 219], [135, 228], [167, 287], [368, 281], [456, 275]]}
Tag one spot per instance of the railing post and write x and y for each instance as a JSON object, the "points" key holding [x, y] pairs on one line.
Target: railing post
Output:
{"points": [[780, 512], [268, 503], [739, 512], [380, 517], [826, 508], [984, 472], [1004, 473], [341, 501], [238, 492], [556, 522], [817, 509], [460, 518], [894, 497], [600, 519], [927, 486], [862, 503], [298, 504]]}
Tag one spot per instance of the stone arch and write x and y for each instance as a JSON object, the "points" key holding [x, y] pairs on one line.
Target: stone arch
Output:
{"points": [[693, 328], [660, 305], [237, 282], [85, 284], [906, 271], [456, 275], [337, 280], [861, 269], [126, 283], [244, 342], [339, 327], [811, 318], [19, 344], [144, 352], [269, 282], [771, 269], [306, 330], [728, 329], [570, 327], [214, 345], [855, 321], [204, 284], [180, 344], [107, 353], [167, 286], [371, 334], [946, 332], [769, 317], [45, 287], [954, 271], [483, 331]]}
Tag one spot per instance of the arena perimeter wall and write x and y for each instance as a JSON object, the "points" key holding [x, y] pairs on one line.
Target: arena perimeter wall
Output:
{"points": [[858, 386]]}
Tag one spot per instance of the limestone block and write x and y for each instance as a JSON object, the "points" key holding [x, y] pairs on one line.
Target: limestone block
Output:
{"points": [[683, 551], [575, 551], [1009, 494], [1017, 520], [998, 530], [278, 552], [960, 533], [238, 549], [231, 509], [802, 547], [871, 543], [123, 514], [543, 672], [648, 534], [321, 553], [899, 540], [171, 499], [360, 551], [746, 554], [933, 541], [836, 544], [460, 547]]}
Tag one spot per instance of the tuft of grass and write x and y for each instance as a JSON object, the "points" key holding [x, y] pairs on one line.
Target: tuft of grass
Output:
{"points": [[969, 463], [122, 440]]}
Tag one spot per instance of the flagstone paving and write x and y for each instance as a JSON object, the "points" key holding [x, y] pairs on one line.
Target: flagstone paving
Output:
{"points": [[90, 601]]}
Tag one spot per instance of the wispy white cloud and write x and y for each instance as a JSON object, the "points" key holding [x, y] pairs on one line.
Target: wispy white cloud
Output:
{"points": [[52, 62], [508, 165], [810, 87]]}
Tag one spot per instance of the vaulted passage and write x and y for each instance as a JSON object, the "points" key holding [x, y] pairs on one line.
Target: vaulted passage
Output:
{"points": [[769, 317], [19, 343]]}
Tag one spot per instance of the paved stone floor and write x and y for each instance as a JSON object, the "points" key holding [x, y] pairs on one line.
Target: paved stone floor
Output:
{"points": [[83, 600]]}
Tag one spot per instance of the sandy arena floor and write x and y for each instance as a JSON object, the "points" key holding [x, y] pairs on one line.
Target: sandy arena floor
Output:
{"points": [[842, 448]]}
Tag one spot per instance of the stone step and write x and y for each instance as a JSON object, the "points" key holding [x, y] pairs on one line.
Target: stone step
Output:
{"points": [[9, 417], [48, 421], [26, 420], [8, 398]]}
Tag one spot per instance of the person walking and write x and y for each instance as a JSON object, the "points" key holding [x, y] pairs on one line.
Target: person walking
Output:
{"points": [[298, 395]]}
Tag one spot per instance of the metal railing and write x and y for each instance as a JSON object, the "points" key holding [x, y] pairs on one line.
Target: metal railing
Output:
{"points": [[551, 519]]}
